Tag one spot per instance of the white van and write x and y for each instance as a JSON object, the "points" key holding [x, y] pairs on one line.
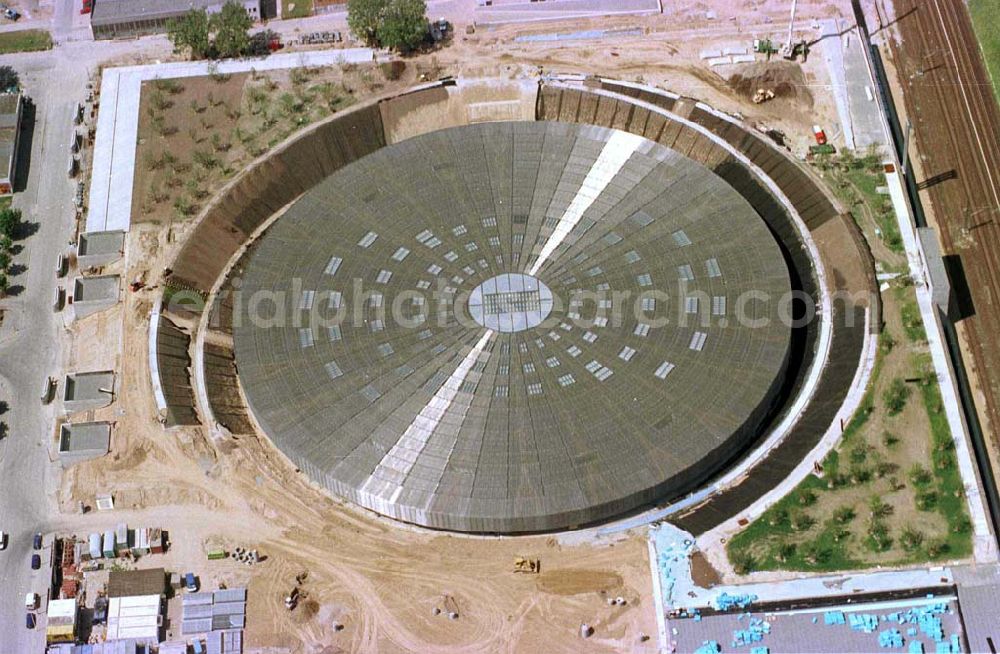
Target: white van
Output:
{"points": [[31, 601]]}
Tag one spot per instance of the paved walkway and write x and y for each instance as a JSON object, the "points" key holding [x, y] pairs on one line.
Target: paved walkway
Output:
{"points": [[110, 205]]}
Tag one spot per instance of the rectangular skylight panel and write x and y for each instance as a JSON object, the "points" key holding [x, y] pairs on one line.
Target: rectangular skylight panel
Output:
{"points": [[305, 337], [425, 236], [534, 389], [566, 380], [569, 280], [574, 351], [383, 276], [590, 337], [627, 353], [433, 242], [336, 297], [489, 221], [663, 370], [593, 366], [368, 239], [595, 271], [469, 270], [518, 240], [642, 329], [552, 362], [603, 373], [632, 256], [450, 256], [401, 254], [698, 341], [554, 335], [370, 393], [641, 218], [600, 321], [529, 368], [712, 266], [685, 272], [385, 349], [648, 304], [434, 269], [691, 305], [503, 369], [611, 238], [483, 264], [458, 230], [522, 348], [332, 266], [494, 241], [539, 343], [424, 335], [334, 333], [604, 286], [306, 300], [719, 305], [500, 391], [376, 326], [423, 284], [375, 300], [333, 370], [471, 247], [644, 279], [681, 238]]}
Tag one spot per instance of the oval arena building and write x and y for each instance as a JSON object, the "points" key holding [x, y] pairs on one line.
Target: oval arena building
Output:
{"points": [[468, 312]]}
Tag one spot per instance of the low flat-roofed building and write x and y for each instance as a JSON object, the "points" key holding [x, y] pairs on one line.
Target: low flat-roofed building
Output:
{"points": [[82, 441], [117, 19], [61, 624], [137, 617], [10, 127]]}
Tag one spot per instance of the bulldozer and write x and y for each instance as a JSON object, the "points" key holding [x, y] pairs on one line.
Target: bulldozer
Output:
{"points": [[762, 95], [527, 566]]}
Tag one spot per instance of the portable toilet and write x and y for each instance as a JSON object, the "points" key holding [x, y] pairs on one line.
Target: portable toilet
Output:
{"points": [[109, 544], [95, 546]]}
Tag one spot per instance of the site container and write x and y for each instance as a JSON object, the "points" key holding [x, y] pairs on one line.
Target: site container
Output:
{"points": [[109, 544], [94, 543]]}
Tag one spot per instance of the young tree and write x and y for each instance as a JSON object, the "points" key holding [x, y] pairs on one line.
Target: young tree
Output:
{"points": [[191, 32], [4, 284], [10, 222], [9, 79], [231, 26]]}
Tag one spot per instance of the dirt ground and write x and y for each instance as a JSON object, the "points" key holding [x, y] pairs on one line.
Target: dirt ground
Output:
{"points": [[383, 581]]}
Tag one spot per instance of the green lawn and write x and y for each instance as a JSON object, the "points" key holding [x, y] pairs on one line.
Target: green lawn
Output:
{"points": [[5, 201], [986, 21], [296, 8], [25, 41]]}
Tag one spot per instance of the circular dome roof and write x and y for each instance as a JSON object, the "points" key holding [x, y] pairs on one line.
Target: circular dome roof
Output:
{"points": [[513, 327]]}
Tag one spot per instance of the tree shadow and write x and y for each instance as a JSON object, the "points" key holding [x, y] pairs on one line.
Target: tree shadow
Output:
{"points": [[15, 290], [16, 269]]}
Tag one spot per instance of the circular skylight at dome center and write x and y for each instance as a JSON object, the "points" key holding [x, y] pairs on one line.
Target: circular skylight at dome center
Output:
{"points": [[511, 302]]}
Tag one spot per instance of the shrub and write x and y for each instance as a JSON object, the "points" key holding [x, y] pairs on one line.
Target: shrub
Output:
{"points": [[844, 515], [920, 476], [743, 562], [895, 396], [910, 539]]}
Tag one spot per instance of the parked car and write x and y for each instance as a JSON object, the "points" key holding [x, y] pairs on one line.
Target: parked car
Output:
{"points": [[37, 543], [29, 621], [11, 14], [190, 584], [31, 601], [36, 562], [3, 540]]}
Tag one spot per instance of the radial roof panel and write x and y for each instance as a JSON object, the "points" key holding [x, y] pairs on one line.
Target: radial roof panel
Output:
{"points": [[488, 328]]}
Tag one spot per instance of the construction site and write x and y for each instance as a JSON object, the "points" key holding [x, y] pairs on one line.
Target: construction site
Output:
{"points": [[598, 328]]}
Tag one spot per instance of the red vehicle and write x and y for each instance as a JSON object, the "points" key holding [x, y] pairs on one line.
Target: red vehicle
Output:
{"points": [[88, 6], [819, 134]]}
